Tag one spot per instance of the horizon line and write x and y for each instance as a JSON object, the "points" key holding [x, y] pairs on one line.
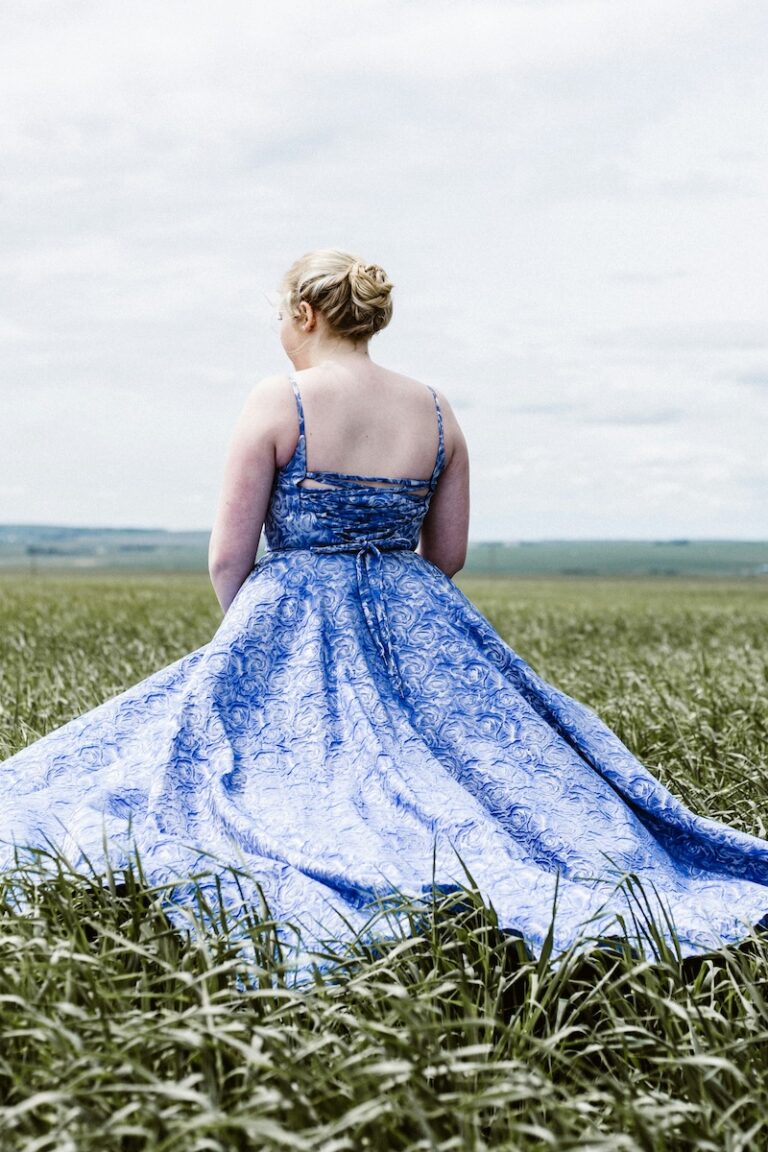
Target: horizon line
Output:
{"points": [[677, 538]]}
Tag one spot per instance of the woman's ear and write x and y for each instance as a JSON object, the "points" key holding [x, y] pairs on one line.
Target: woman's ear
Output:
{"points": [[307, 318]]}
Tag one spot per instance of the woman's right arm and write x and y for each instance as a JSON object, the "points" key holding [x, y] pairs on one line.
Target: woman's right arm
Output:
{"points": [[445, 529]]}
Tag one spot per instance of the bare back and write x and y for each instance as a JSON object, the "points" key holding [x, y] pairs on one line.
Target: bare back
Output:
{"points": [[375, 424]]}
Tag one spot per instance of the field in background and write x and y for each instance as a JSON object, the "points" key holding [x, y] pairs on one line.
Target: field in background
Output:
{"points": [[119, 1034], [33, 548]]}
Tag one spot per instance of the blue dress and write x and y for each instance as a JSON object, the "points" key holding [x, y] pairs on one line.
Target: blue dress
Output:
{"points": [[355, 728]]}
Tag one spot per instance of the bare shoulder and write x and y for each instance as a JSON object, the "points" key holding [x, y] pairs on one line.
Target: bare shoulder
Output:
{"points": [[270, 402], [455, 443], [271, 390], [449, 416], [268, 417]]}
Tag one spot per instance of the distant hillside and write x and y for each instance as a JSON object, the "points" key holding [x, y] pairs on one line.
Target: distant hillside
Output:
{"points": [[36, 548], [722, 558], [40, 546]]}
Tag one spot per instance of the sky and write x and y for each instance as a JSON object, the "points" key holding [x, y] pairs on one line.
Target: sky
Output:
{"points": [[571, 199]]}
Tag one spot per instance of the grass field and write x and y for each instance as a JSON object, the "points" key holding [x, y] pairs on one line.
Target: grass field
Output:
{"points": [[118, 1033]]}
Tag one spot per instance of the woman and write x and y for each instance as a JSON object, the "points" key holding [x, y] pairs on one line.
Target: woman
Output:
{"points": [[360, 418], [355, 727]]}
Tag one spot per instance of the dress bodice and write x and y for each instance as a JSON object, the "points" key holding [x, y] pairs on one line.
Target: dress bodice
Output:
{"points": [[347, 512]]}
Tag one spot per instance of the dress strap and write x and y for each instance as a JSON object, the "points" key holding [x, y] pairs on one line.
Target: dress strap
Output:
{"points": [[440, 458], [299, 460]]}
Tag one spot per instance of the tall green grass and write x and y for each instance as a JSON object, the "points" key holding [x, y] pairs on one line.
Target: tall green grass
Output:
{"points": [[119, 1031]]}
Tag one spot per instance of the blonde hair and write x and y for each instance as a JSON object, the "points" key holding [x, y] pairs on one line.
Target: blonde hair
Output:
{"points": [[353, 297]]}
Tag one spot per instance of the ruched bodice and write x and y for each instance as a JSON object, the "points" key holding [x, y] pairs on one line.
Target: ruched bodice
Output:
{"points": [[348, 511]]}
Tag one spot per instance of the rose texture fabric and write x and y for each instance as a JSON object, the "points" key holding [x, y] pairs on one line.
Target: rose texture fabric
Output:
{"points": [[356, 728]]}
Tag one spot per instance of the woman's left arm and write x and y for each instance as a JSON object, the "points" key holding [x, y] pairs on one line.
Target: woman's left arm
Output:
{"points": [[249, 473]]}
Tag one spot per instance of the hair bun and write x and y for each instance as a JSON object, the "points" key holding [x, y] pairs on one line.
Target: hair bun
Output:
{"points": [[354, 297], [360, 271], [369, 292]]}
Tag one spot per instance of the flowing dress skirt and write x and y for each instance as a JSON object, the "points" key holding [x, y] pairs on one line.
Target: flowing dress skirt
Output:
{"points": [[346, 735]]}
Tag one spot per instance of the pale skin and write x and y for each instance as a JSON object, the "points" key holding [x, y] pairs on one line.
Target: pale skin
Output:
{"points": [[360, 418]]}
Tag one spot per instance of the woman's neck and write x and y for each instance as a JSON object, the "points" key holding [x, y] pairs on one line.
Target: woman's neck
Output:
{"points": [[321, 351]]}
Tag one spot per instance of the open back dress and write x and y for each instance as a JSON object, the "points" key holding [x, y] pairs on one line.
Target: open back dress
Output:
{"points": [[355, 728]]}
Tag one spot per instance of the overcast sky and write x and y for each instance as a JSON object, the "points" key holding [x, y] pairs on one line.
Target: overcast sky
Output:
{"points": [[570, 198]]}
